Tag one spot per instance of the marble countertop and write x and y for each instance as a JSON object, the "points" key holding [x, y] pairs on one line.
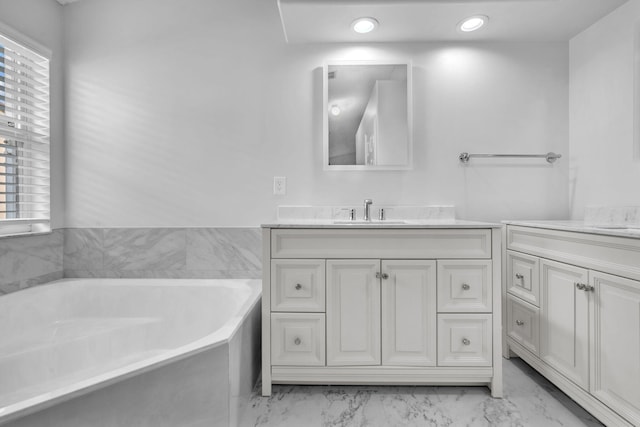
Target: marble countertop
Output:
{"points": [[581, 227], [412, 224]]}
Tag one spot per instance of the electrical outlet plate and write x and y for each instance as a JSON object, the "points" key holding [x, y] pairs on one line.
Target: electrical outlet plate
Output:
{"points": [[279, 185]]}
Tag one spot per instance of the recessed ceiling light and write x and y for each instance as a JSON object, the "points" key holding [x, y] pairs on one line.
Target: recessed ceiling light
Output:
{"points": [[472, 23], [364, 25], [335, 110]]}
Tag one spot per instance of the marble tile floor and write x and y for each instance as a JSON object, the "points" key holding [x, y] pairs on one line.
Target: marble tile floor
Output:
{"points": [[529, 401]]}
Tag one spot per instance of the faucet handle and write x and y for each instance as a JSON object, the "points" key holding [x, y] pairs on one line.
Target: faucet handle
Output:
{"points": [[381, 214], [351, 211]]}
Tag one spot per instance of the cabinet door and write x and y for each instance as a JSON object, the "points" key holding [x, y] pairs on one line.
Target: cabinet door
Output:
{"points": [[409, 313], [615, 350], [353, 312], [564, 320]]}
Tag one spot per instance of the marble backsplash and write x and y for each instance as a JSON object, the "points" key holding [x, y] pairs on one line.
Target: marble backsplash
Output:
{"points": [[424, 213], [202, 253], [27, 261], [612, 216], [199, 253]]}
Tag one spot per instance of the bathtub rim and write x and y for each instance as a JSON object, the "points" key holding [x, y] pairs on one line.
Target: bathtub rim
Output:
{"points": [[220, 337]]}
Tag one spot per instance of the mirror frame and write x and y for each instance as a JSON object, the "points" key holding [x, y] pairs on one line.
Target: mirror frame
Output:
{"points": [[325, 115]]}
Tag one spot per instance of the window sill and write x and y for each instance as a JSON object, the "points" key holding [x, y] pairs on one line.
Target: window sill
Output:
{"points": [[25, 234], [24, 228]]}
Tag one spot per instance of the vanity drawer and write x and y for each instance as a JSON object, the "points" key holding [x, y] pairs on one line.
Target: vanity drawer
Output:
{"points": [[464, 286], [297, 339], [523, 277], [465, 340], [523, 324], [298, 285], [381, 243]]}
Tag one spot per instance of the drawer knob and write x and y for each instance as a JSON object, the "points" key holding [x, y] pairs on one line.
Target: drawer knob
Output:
{"points": [[519, 276], [298, 286], [466, 287], [465, 341], [519, 322], [297, 341]]}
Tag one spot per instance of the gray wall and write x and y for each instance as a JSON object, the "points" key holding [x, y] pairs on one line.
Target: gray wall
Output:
{"points": [[605, 112], [183, 116]]}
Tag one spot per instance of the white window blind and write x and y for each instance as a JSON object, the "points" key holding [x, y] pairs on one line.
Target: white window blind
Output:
{"points": [[24, 140]]}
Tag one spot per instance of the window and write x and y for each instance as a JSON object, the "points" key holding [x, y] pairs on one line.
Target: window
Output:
{"points": [[24, 139]]}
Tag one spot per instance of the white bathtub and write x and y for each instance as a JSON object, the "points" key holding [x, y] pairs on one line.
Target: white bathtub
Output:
{"points": [[125, 352]]}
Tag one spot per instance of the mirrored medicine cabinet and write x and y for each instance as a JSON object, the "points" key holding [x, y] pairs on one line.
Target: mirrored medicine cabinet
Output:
{"points": [[367, 116]]}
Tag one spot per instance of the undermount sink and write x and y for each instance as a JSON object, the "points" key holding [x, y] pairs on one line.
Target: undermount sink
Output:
{"points": [[373, 222]]}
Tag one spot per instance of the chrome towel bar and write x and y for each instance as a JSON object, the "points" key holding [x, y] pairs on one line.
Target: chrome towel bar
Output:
{"points": [[549, 157]]}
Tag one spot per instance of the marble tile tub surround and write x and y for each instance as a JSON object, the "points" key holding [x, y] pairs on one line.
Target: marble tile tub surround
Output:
{"points": [[310, 213], [612, 216], [529, 401], [201, 253], [27, 261]]}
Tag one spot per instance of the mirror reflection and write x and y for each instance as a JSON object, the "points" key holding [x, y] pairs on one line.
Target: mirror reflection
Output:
{"points": [[367, 116]]}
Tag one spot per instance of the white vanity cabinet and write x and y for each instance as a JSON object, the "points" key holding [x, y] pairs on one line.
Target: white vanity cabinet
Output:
{"points": [[582, 329], [381, 305]]}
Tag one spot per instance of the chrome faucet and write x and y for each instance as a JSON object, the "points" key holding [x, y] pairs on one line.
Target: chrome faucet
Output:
{"points": [[367, 209]]}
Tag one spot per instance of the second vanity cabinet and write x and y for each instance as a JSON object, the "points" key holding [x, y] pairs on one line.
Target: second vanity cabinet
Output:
{"points": [[572, 315], [381, 306]]}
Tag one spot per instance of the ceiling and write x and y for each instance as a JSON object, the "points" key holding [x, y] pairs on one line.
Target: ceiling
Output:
{"points": [[316, 21]]}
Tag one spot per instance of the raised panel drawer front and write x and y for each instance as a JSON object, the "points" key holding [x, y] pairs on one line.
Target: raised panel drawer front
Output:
{"points": [[409, 313], [464, 286], [615, 352], [297, 339], [523, 324], [381, 243], [298, 285], [564, 320], [464, 340], [523, 277], [353, 312]]}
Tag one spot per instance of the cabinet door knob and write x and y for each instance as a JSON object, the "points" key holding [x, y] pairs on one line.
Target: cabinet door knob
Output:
{"points": [[519, 322], [298, 286], [519, 276], [465, 287], [589, 288], [580, 286], [297, 341], [384, 276], [465, 341]]}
